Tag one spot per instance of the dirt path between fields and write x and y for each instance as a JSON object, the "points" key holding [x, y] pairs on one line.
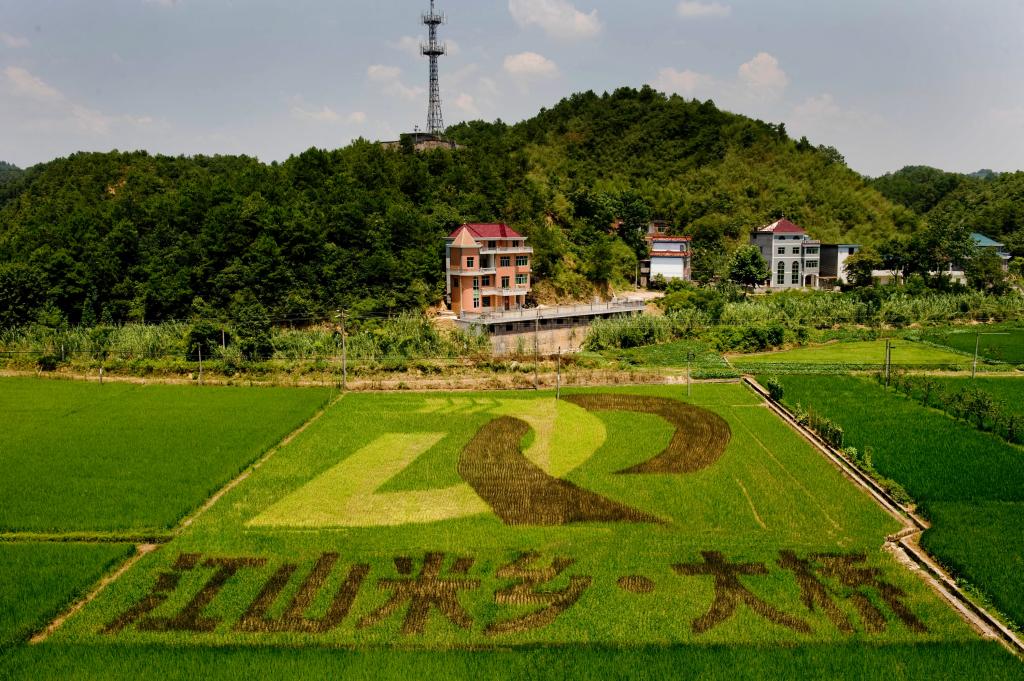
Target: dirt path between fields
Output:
{"points": [[142, 550], [904, 545]]}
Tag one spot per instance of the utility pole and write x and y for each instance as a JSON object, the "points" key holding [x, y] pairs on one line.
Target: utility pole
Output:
{"points": [[536, 351], [558, 376], [344, 355], [888, 360], [977, 349], [200, 365], [689, 360]]}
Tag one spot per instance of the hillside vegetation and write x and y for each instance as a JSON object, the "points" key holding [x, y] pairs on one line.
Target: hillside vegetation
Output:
{"points": [[129, 236], [985, 202]]}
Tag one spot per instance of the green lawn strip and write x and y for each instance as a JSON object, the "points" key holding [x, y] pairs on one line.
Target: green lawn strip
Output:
{"points": [[930, 454], [982, 659], [38, 581], [983, 543], [81, 457], [769, 492], [1007, 347], [857, 354]]}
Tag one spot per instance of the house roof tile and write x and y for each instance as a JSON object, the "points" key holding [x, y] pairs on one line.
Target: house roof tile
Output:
{"points": [[784, 226], [489, 231]]}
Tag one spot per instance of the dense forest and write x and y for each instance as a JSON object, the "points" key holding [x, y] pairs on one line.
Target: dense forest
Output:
{"points": [[9, 172], [986, 202], [130, 237]]}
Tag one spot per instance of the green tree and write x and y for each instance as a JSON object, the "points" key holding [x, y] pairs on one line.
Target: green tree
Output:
{"points": [[860, 266], [748, 267], [984, 271]]}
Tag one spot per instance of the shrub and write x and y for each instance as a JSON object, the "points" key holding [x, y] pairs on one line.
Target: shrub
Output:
{"points": [[775, 389]]}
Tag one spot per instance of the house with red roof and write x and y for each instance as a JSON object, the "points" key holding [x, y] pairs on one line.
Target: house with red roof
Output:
{"points": [[488, 269], [793, 256]]}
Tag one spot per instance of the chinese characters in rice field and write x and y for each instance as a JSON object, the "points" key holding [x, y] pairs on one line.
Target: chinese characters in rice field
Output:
{"points": [[536, 590]]}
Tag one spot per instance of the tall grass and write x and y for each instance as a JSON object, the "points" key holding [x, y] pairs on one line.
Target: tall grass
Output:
{"points": [[404, 337]]}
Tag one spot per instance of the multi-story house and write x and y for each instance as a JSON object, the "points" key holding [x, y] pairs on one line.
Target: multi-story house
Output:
{"points": [[488, 269], [832, 271], [671, 257], [793, 257]]}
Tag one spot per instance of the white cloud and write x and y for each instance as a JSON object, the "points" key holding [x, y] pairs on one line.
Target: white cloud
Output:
{"points": [[322, 115], [688, 9], [390, 80], [818, 108], [559, 18], [467, 104], [14, 42], [686, 83], [529, 65], [24, 84], [356, 117], [763, 76], [379, 73]]}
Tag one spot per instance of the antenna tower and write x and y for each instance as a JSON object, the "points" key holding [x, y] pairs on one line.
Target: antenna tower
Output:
{"points": [[434, 49]]}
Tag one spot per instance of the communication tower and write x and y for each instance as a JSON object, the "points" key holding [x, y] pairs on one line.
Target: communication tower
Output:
{"points": [[433, 49]]}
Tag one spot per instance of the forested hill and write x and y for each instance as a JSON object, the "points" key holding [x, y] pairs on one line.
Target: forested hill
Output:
{"points": [[9, 172], [986, 202], [130, 236]]}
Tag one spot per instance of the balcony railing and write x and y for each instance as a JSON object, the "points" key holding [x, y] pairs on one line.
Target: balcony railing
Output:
{"points": [[498, 291], [477, 271], [521, 250]]}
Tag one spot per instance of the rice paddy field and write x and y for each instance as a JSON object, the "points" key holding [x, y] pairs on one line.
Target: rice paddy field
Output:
{"points": [[998, 344], [969, 483], [854, 355], [628, 532], [130, 458]]}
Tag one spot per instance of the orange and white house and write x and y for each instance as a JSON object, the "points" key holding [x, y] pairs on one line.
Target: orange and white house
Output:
{"points": [[488, 269]]}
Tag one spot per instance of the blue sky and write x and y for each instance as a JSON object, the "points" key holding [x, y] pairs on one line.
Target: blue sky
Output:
{"points": [[889, 83]]}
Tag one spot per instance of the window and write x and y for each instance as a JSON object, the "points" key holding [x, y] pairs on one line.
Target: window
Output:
{"points": [[796, 250], [812, 264], [781, 279], [851, 250], [782, 250], [506, 261], [508, 327], [522, 261], [455, 282], [470, 263], [811, 251], [492, 245], [521, 280], [476, 283], [796, 273], [486, 282], [476, 301], [487, 301], [505, 282]]}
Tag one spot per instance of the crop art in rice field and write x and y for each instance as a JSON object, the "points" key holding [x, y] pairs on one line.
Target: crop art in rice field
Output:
{"points": [[613, 517]]}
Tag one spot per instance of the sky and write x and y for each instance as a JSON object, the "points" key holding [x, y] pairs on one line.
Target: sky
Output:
{"points": [[888, 82]]}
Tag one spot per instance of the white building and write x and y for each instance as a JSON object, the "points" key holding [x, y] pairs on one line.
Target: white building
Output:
{"points": [[794, 258], [671, 257]]}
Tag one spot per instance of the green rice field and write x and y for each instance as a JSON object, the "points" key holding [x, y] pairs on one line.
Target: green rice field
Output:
{"points": [[971, 484], [626, 532], [130, 458], [866, 354], [998, 344], [37, 581]]}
